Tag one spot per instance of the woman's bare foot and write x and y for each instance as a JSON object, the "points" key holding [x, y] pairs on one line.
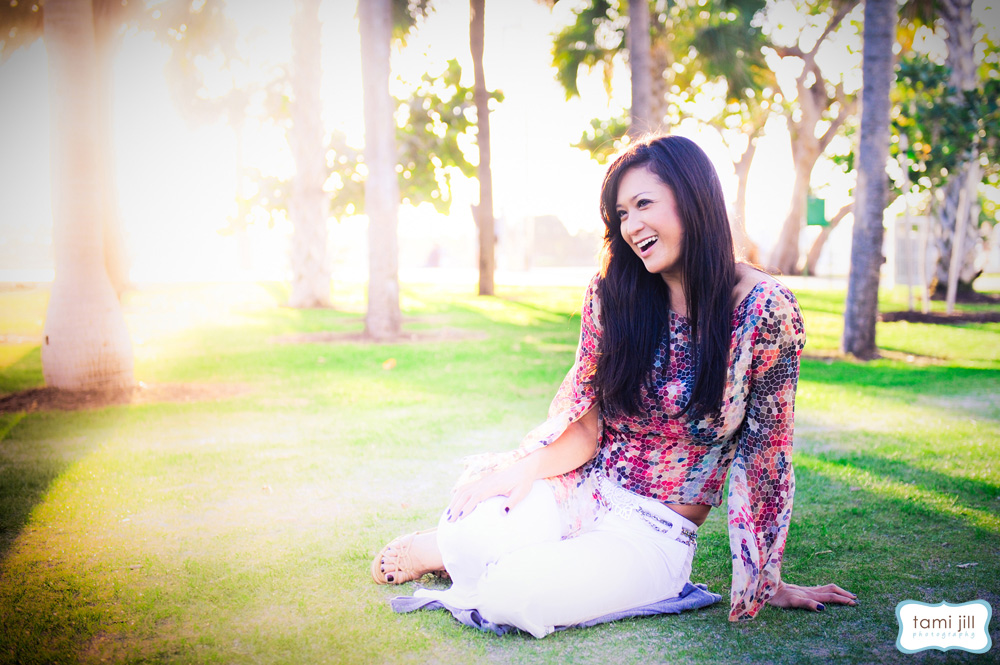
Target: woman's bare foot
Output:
{"points": [[408, 558]]}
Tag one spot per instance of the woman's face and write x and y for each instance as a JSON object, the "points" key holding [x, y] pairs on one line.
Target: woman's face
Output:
{"points": [[649, 221]]}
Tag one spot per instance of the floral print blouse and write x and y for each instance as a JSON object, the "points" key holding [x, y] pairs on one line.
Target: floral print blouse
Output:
{"points": [[685, 460]]}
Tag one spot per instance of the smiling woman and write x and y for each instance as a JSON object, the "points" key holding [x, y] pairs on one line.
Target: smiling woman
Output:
{"points": [[685, 372], [653, 217]]}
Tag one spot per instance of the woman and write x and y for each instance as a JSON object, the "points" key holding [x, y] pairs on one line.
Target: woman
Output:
{"points": [[686, 370]]}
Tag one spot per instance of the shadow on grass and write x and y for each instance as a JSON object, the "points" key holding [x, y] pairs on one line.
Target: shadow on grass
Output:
{"points": [[23, 373], [28, 467], [902, 379], [968, 491], [552, 312]]}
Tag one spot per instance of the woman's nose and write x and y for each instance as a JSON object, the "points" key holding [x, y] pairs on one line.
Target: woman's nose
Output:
{"points": [[632, 224]]}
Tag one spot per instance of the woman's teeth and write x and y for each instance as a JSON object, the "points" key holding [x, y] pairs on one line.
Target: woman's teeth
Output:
{"points": [[646, 244]]}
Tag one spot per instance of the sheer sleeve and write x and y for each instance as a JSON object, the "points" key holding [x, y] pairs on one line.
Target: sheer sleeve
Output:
{"points": [[573, 399], [761, 483], [576, 394]]}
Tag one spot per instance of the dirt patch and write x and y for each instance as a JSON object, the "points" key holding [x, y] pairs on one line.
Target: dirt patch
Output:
{"points": [[54, 399], [410, 337], [941, 317]]}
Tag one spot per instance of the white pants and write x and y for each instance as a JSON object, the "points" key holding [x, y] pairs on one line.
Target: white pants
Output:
{"points": [[514, 568]]}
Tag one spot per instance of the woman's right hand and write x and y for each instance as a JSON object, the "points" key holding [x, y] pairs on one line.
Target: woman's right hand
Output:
{"points": [[513, 482], [571, 449]]}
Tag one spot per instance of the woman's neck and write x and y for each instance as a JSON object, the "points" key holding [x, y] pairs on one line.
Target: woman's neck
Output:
{"points": [[675, 285]]}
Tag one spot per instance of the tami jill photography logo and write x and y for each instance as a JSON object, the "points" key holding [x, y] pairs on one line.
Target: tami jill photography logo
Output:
{"points": [[944, 626]]}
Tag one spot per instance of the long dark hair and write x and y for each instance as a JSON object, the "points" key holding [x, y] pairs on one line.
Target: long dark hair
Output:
{"points": [[635, 303]]}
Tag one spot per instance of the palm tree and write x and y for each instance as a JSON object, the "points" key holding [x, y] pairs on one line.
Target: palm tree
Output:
{"points": [[384, 318], [484, 211], [872, 188], [86, 344], [668, 55], [21, 23], [641, 119], [310, 269]]}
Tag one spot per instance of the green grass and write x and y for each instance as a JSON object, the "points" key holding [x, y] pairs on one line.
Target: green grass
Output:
{"points": [[241, 529]]}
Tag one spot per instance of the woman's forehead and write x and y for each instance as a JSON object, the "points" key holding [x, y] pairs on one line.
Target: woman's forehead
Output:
{"points": [[635, 180]]}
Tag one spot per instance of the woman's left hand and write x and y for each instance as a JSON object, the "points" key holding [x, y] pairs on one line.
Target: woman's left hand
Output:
{"points": [[811, 597]]}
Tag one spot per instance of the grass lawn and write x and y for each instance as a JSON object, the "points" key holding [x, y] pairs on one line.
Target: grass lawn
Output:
{"points": [[239, 527]]}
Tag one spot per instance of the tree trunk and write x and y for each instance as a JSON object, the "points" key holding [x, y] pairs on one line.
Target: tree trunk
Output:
{"points": [[872, 188], [642, 120], [812, 256], [484, 211], [785, 255], [661, 61], [746, 249], [970, 175], [310, 268], [116, 259], [86, 344], [384, 319], [803, 119], [960, 26]]}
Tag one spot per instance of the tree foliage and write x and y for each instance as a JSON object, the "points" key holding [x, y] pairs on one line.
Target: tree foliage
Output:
{"points": [[938, 127], [695, 45], [434, 122]]}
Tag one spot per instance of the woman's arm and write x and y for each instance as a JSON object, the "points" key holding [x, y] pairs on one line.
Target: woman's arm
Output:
{"points": [[761, 479], [761, 483], [573, 448]]}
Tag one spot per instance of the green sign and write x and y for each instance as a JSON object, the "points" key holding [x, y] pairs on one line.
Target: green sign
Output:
{"points": [[816, 212]]}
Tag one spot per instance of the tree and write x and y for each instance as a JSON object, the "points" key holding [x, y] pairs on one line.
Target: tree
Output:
{"points": [[727, 55], [435, 119], [86, 344], [872, 188], [955, 227], [187, 28], [641, 118], [483, 212], [938, 131], [310, 267], [820, 109], [432, 123], [384, 318], [710, 49]]}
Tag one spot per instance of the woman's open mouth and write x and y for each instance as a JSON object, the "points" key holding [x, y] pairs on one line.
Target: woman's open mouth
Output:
{"points": [[644, 245]]}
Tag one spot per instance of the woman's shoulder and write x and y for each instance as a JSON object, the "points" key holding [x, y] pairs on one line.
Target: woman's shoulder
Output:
{"points": [[769, 315], [758, 291]]}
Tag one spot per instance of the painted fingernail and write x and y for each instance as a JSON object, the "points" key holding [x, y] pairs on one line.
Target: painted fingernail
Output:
{"points": [[821, 607], [461, 512]]}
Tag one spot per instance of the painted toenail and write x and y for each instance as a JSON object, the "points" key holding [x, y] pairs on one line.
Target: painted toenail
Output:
{"points": [[389, 577]]}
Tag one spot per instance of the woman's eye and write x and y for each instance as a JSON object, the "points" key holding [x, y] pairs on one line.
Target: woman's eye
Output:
{"points": [[643, 203], [622, 215]]}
